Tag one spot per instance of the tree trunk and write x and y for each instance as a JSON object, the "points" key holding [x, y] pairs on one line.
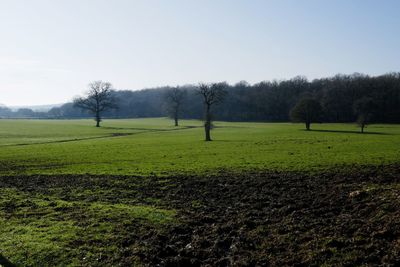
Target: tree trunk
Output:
{"points": [[207, 129], [97, 112], [98, 119], [176, 119], [362, 128], [207, 124], [308, 125]]}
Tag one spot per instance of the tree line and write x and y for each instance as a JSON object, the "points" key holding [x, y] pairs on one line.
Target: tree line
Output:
{"points": [[341, 99]]}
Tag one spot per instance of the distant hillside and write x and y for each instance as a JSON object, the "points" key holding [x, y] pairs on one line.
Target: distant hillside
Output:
{"points": [[37, 108]]}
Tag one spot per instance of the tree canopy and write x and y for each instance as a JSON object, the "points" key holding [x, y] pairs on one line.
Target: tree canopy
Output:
{"points": [[211, 95], [264, 101], [98, 99]]}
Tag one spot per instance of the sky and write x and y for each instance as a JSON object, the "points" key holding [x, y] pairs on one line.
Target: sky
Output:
{"points": [[50, 50]]}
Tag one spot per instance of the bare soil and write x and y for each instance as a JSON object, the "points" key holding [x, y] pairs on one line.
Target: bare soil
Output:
{"points": [[345, 218]]}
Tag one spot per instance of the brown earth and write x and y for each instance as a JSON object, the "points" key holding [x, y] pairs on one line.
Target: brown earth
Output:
{"points": [[346, 218]]}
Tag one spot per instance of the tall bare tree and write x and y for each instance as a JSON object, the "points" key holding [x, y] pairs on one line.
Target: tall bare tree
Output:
{"points": [[212, 94], [175, 98], [97, 100]]}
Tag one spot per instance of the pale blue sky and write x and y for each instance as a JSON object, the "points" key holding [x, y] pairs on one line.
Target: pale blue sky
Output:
{"points": [[51, 49]]}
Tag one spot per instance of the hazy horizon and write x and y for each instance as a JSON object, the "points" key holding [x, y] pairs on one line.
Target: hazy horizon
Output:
{"points": [[51, 50], [47, 106]]}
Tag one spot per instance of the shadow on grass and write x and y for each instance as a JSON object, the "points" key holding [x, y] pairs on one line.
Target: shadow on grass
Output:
{"points": [[216, 126], [347, 132], [226, 141], [152, 130], [142, 130], [4, 262]]}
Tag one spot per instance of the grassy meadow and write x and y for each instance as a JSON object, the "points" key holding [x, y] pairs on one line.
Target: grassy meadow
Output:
{"points": [[142, 192], [155, 147]]}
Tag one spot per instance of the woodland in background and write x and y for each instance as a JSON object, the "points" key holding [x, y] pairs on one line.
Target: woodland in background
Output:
{"points": [[265, 101]]}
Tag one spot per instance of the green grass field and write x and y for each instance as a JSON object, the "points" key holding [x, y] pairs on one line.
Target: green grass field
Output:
{"points": [[154, 146], [70, 194]]}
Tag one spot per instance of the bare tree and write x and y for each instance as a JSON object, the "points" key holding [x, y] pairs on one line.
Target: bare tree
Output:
{"points": [[175, 98], [212, 94], [307, 110], [364, 108], [97, 100]]}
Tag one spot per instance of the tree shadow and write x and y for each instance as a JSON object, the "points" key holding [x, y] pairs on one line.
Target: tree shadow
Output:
{"points": [[227, 141], [348, 132], [151, 129], [216, 126], [6, 263]]}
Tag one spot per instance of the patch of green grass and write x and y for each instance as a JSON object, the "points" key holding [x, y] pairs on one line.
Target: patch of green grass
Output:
{"points": [[147, 213], [154, 146], [43, 230]]}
